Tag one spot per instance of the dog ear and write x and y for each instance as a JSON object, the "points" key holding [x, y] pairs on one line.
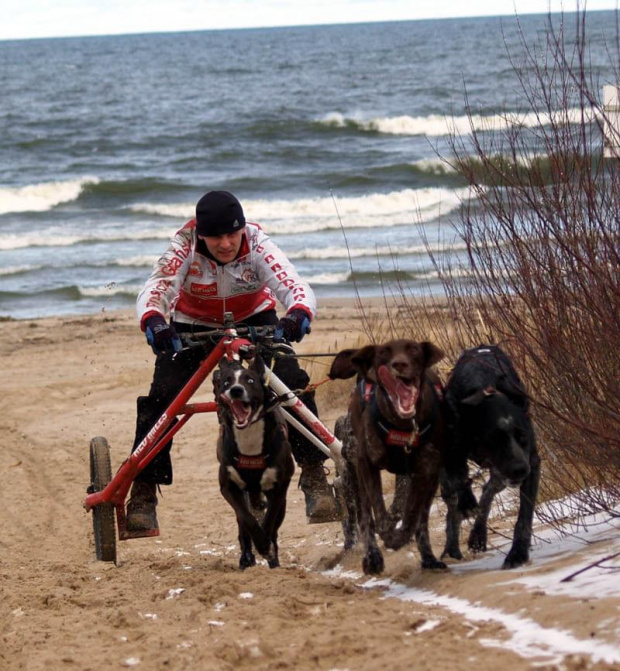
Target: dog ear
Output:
{"points": [[477, 397], [362, 359], [258, 366], [474, 399], [342, 368], [432, 353]]}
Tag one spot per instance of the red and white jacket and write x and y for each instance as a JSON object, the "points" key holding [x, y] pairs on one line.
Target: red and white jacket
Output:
{"points": [[194, 289]]}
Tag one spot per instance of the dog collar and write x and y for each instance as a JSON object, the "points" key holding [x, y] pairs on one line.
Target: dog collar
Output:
{"points": [[390, 434]]}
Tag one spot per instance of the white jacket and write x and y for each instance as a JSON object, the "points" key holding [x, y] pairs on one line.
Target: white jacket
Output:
{"points": [[194, 289]]}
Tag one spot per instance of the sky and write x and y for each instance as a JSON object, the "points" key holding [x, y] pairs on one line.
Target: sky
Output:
{"points": [[24, 19]]}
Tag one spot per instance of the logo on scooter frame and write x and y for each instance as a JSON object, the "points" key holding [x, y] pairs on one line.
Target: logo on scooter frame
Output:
{"points": [[162, 420]]}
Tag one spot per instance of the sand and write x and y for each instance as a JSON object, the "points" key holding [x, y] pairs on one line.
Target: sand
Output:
{"points": [[179, 601]]}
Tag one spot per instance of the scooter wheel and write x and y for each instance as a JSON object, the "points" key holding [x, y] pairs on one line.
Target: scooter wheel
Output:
{"points": [[103, 514]]}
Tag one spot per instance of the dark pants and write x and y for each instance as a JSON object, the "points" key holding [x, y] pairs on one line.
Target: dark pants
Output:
{"points": [[172, 373]]}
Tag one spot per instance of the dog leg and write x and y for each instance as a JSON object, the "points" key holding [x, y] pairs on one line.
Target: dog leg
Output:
{"points": [[453, 524], [401, 489], [478, 536], [246, 521], [520, 551], [276, 510], [347, 487], [247, 558], [372, 563], [350, 486], [373, 492], [429, 561]]}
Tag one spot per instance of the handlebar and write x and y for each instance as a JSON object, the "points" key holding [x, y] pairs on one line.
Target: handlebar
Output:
{"points": [[261, 336]]}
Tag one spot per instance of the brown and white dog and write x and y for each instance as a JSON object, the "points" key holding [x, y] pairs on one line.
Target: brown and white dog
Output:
{"points": [[255, 458], [395, 423]]}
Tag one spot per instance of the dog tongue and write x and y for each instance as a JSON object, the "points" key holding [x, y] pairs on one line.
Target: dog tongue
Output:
{"points": [[241, 412], [403, 395]]}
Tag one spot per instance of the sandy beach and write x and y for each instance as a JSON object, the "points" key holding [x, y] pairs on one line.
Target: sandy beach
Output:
{"points": [[180, 602]]}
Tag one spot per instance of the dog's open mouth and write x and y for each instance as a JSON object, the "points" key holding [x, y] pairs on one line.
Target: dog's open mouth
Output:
{"points": [[240, 410], [403, 394]]}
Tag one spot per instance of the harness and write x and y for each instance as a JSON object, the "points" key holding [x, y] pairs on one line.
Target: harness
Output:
{"points": [[251, 468], [402, 446]]}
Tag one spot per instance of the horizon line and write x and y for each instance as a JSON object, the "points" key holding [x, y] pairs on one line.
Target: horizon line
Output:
{"points": [[301, 25]]}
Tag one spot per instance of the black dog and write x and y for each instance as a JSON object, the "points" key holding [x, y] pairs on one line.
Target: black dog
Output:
{"points": [[394, 423], [255, 458], [489, 423]]}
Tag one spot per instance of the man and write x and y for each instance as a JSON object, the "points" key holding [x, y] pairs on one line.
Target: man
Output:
{"points": [[220, 263]]}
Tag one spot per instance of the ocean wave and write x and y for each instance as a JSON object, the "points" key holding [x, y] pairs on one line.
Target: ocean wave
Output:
{"points": [[51, 238], [308, 215], [111, 289], [42, 197], [324, 253], [328, 278], [18, 270], [132, 186], [75, 292], [438, 125]]}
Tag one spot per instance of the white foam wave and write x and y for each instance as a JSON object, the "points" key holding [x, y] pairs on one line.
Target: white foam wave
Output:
{"points": [[111, 289], [141, 261], [323, 253], [51, 238], [438, 125], [16, 270], [181, 211], [328, 278], [435, 166], [307, 215], [41, 197]]}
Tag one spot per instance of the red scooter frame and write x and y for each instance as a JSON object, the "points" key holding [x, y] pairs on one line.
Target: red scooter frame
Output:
{"points": [[101, 496]]}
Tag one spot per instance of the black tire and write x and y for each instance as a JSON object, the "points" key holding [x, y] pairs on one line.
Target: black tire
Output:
{"points": [[103, 514]]}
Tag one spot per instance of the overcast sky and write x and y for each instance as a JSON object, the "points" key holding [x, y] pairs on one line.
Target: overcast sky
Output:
{"points": [[60, 18]]}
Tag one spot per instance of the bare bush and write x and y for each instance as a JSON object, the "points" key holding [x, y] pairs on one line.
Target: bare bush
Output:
{"points": [[542, 236]]}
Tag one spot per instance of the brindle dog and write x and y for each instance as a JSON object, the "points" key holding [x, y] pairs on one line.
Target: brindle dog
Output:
{"points": [[255, 458], [395, 423]]}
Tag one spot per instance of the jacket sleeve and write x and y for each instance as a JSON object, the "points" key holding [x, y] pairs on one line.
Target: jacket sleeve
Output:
{"points": [[280, 275], [161, 291]]}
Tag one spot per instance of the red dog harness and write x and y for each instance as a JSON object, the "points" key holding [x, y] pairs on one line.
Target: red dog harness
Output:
{"points": [[401, 445]]}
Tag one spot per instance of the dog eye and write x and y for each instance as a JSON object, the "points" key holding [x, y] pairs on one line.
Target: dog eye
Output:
{"points": [[225, 384], [250, 380]]}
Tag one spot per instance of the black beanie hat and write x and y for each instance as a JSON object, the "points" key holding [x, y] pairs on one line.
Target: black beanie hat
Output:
{"points": [[217, 213]]}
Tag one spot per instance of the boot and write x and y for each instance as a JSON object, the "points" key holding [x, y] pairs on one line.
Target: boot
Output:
{"points": [[321, 503], [141, 513]]}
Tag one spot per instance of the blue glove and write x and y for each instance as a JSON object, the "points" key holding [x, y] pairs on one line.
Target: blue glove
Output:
{"points": [[161, 336], [293, 327]]}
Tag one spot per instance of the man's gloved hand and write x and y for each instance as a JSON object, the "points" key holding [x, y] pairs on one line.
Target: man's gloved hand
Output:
{"points": [[161, 336], [293, 327]]}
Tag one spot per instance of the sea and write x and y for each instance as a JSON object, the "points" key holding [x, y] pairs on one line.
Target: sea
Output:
{"points": [[336, 139]]}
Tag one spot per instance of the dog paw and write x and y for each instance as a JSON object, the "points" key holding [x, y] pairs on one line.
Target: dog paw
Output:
{"points": [[372, 563], [433, 564], [453, 553], [247, 560], [395, 539], [349, 543], [515, 558], [272, 556], [478, 539]]}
